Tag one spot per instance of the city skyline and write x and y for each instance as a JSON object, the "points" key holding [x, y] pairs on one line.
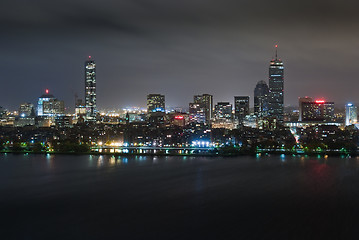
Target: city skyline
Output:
{"points": [[180, 52], [90, 84]]}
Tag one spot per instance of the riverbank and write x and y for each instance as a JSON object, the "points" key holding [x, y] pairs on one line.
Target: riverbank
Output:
{"points": [[197, 154]]}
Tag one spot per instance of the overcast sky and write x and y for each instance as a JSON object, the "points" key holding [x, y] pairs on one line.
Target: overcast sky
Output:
{"points": [[177, 48]]}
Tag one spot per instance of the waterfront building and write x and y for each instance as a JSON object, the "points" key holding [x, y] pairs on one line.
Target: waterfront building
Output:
{"points": [[90, 89], [276, 88], [241, 108], [261, 92], [351, 115]]}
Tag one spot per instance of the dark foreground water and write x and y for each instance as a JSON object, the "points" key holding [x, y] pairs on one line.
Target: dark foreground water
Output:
{"points": [[102, 197]]}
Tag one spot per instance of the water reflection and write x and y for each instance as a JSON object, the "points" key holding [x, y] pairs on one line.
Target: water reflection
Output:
{"points": [[50, 162], [100, 161], [112, 161]]}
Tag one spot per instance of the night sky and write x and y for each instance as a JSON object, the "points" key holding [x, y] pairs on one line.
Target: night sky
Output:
{"points": [[177, 48]]}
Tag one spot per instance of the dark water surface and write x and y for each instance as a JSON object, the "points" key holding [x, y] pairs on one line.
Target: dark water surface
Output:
{"points": [[103, 197]]}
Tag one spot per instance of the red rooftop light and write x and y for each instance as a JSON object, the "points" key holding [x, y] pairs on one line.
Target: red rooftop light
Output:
{"points": [[179, 117], [47, 91], [319, 101]]}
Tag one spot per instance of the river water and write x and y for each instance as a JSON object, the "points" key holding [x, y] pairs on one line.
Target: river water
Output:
{"points": [[142, 197]]}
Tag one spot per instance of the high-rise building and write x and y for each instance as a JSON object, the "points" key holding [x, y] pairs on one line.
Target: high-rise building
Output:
{"points": [[155, 103], [276, 88], [351, 115], [49, 106], [261, 92], [90, 89], [223, 111], [206, 102], [301, 101], [319, 110], [241, 108]]}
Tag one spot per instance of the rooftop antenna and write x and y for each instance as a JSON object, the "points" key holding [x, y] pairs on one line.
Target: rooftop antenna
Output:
{"points": [[276, 51]]}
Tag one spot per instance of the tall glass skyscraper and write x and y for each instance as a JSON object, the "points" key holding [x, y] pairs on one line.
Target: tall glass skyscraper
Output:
{"points": [[90, 89], [276, 88]]}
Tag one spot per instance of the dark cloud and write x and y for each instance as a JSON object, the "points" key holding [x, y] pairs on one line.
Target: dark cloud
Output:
{"points": [[179, 48]]}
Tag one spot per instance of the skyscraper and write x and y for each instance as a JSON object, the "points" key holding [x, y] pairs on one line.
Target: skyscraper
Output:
{"points": [[261, 92], [206, 102], [155, 103], [241, 108], [90, 89], [276, 88], [351, 115]]}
